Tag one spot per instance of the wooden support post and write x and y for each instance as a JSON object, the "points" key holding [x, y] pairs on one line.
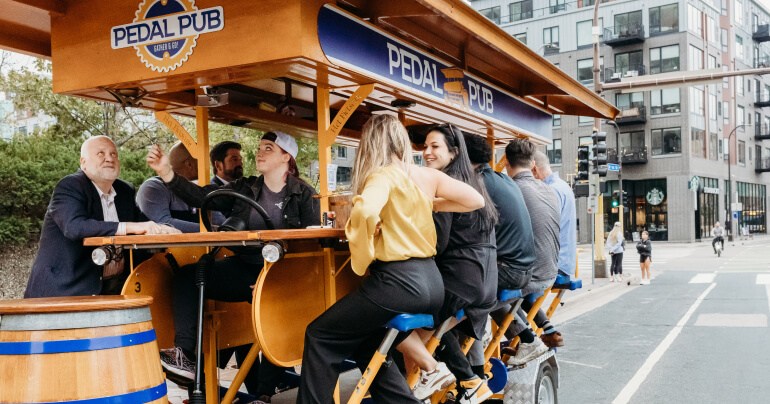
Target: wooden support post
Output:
{"points": [[327, 132], [202, 124], [491, 140]]}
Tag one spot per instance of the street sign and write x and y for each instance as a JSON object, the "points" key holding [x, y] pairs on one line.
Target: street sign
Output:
{"points": [[593, 204], [613, 167], [735, 215], [736, 206]]}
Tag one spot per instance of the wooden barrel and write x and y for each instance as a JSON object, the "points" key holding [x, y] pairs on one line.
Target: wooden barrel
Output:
{"points": [[94, 349]]}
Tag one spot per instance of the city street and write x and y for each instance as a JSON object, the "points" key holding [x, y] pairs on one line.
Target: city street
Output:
{"points": [[696, 334]]}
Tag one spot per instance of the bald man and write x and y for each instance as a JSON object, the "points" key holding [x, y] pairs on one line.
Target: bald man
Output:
{"points": [[92, 202], [160, 205]]}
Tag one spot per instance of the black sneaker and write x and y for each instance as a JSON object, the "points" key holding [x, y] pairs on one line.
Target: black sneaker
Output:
{"points": [[174, 361]]}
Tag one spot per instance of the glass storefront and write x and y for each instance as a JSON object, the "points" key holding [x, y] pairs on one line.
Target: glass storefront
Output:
{"points": [[753, 198], [708, 207], [647, 210]]}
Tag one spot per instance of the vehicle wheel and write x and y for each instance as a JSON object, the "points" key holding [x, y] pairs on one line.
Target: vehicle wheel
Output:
{"points": [[545, 387]]}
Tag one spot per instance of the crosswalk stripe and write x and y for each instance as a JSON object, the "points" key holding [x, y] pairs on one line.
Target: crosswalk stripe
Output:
{"points": [[763, 279], [703, 278]]}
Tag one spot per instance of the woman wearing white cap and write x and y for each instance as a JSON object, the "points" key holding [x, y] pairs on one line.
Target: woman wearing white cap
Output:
{"points": [[290, 204]]}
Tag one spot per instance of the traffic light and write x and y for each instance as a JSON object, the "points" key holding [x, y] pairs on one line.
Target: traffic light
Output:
{"points": [[582, 163], [600, 153], [624, 198], [615, 199]]}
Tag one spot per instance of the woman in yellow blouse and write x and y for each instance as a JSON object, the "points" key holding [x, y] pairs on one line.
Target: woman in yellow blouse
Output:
{"points": [[391, 233]]}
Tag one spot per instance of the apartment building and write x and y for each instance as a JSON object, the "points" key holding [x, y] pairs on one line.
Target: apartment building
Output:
{"points": [[675, 142]]}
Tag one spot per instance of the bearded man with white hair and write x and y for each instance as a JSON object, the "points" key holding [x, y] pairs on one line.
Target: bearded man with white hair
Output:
{"points": [[92, 202]]}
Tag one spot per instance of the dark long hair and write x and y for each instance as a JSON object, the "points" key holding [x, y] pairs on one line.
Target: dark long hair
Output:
{"points": [[461, 169]]}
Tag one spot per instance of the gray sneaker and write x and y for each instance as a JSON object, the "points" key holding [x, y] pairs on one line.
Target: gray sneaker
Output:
{"points": [[174, 361], [527, 352]]}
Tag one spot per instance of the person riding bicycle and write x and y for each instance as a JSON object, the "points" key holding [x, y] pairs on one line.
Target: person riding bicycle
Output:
{"points": [[716, 233]]}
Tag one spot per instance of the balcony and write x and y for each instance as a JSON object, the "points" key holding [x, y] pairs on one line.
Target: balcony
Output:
{"points": [[632, 116], [762, 33], [613, 76], [762, 62], [761, 132], [623, 35], [630, 155], [763, 165], [762, 100]]}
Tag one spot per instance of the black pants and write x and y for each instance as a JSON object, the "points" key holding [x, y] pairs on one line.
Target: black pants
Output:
{"points": [[229, 280], [351, 328], [451, 354], [717, 239], [617, 264]]}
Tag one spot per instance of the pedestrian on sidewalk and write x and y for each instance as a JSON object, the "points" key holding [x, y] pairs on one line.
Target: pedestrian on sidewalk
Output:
{"points": [[614, 245], [644, 248]]}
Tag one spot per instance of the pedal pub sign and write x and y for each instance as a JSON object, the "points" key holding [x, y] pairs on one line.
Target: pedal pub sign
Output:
{"points": [[359, 46], [164, 32]]}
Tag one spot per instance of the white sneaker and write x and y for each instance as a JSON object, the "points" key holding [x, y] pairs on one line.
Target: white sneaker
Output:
{"points": [[527, 352], [473, 392], [430, 382]]}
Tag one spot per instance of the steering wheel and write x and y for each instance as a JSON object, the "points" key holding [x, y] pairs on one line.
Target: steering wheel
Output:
{"points": [[232, 223]]}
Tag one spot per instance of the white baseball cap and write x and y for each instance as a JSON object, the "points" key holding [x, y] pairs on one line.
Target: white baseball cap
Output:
{"points": [[284, 141]]}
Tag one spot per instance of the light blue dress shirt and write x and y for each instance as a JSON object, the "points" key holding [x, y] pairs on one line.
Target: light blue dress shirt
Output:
{"points": [[567, 224]]}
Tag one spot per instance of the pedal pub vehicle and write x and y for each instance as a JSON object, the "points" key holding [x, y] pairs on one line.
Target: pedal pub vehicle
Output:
{"points": [[311, 68]]}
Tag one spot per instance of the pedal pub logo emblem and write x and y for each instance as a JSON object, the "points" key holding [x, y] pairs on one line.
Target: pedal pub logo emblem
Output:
{"points": [[164, 32]]}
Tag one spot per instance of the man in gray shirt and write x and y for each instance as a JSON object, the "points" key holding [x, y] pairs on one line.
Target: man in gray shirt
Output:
{"points": [[162, 206], [543, 205], [717, 233]]}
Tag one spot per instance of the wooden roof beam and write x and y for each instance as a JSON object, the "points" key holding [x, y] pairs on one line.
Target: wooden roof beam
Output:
{"points": [[20, 38], [55, 7]]}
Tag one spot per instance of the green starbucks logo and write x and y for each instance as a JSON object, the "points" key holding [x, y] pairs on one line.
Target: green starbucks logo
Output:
{"points": [[655, 196]]}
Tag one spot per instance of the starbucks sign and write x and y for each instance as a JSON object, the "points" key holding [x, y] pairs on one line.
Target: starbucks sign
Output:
{"points": [[655, 196]]}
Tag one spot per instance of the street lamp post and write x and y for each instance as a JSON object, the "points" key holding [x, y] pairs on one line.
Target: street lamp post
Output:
{"points": [[730, 179]]}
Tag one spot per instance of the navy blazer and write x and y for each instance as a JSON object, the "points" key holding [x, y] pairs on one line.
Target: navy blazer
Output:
{"points": [[63, 266]]}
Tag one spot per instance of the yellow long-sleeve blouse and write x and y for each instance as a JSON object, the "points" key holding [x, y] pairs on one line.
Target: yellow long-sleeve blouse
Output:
{"points": [[392, 199]]}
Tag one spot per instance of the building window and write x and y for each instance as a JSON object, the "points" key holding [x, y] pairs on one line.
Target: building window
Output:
{"points": [[757, 90], [521, 37], [698, 142], [628, 22], [713, 30], [739, 12], [341, 152], [586, 140], [628, 61], [557, 5], [666, 141], [742, 152], [343, 175], [696, 100], [726, 112], [712, 62], [629, 100], [713, 145], [584, 36], [696, 59], [740, 116], [665, 59], [724, 39], [665, 101], [724, 7], [589, 3], [713, 109], [521, 10], [753, 198], [631, 141], [551, 36], [739, 47], [556, 121], [664, 19], [585, 119], [493, 13], [553, 151], [585, 70], [694, 21]]}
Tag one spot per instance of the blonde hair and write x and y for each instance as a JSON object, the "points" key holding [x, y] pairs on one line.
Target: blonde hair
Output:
{"points": [[382, 137], [614, 234]]}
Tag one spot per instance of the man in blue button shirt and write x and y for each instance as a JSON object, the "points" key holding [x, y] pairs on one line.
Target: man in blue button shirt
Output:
{"points": [[567, 235]]}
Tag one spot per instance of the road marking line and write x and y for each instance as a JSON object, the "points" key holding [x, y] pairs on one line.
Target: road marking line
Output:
{"points": [[731, 320], [767, 288], [633, 385], [703, 278], [763, 279], [580, 364]]}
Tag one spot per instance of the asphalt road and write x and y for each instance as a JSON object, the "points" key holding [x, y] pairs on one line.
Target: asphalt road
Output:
{"points": [[697, 334]]}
